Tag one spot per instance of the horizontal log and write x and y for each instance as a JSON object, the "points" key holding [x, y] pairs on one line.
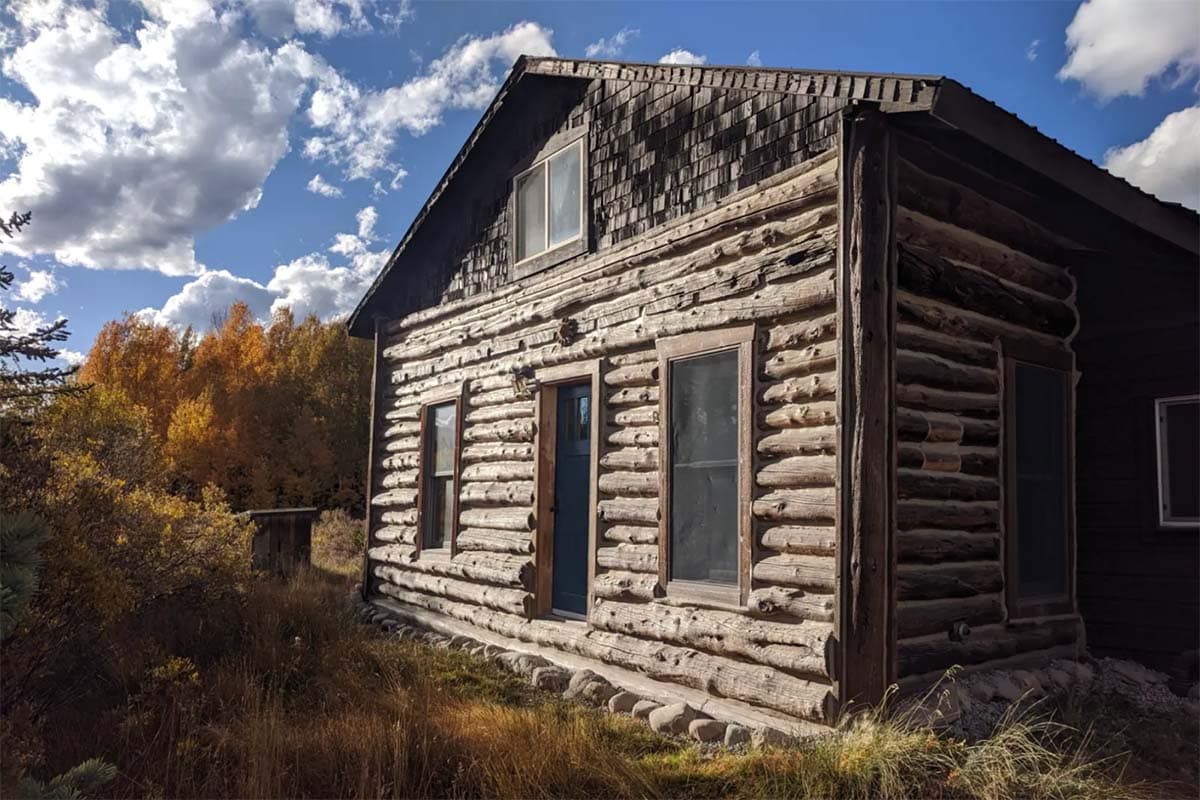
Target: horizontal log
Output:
{"points": [[961, 579], [498, 471], [629, 510], [922, 617], [953, 348], [633, 458], [638, 396], [798, 441], [930, 370], [403, 516], [626, 586], [406, 428], [490, 540], [494, 568], [751, 683], [392, 553], [510, 601], [798, 472], [394, 497], [399, 478], [795, 647], [629, 557], [802, 572], [402, 534], [987, 643], [490, 451], [638, 415], [405, 444], [499, 413], [786, 335], [813, 540], [498, 397], [634, 534], [947, 515], [796, 505], [936, 547], [401, 460], [645, 436], [638, 484], [915, 395], [982, 461], [799, 390], [512, 430], [930, 426], [818, 357], [644, 374], [949, 320], [497, 493], [402, 412], [507, 519], [770, 601], [928, 485], [925, 273], [799, 415]]}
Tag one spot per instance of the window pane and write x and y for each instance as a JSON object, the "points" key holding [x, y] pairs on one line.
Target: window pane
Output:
{"points": [[445, 430], [564, 195], [704, 474], [441, 508], [1042, 491], [1183, 460], [531, 213]]}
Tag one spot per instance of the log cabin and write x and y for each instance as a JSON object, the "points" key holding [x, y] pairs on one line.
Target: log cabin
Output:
{"points": [[773, 388]]}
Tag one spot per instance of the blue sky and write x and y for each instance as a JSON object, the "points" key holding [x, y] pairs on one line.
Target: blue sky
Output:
{"points": [[170, 150]]}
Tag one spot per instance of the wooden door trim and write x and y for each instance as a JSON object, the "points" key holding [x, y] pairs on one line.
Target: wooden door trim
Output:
{"points": [[545, 447]]}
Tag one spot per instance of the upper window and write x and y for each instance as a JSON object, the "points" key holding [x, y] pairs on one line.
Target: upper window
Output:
{"points": [[1038, 489], [1178, 426], [439, 495], [549, 203], [704, 439]]}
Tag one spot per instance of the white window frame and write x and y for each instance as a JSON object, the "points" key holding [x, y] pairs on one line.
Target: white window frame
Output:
{"points": [[1162, 471], [545, 162]]}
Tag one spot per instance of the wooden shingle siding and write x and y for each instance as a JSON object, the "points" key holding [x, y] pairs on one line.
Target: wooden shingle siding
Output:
{"points": [[765, 257], [972, 273]]}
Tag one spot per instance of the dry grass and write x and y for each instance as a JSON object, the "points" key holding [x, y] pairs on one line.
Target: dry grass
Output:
{"points": [[297, 701]]}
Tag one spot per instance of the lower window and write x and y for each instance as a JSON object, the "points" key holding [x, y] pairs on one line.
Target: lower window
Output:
{"points": [[1177, 421], [439, 460], [1038, 491]]}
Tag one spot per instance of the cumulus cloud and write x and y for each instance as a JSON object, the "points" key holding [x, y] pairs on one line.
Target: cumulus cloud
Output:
{"points": [[612, 46], [133, 145], [358, 128], [1115, 47], [327, 18], [38, 285], [1031, 51], [310, 284], [73, 357], [754, 59], [681, 56], [1167, 162], [319, 185]]}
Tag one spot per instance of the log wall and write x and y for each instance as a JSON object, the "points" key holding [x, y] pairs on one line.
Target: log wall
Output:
{"points": [[766, 256], [971, 272]]}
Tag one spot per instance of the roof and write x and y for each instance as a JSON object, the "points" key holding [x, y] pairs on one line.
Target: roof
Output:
{"points": [[943, 98]]}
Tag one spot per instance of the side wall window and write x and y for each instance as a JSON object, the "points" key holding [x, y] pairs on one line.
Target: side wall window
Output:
{"points": [[1177, 422], [549, 214], [1039, 482], [438, 502], [705, 418]]}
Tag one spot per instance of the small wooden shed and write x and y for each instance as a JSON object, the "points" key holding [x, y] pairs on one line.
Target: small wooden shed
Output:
{"points": [[777, 387], [282, 539]]}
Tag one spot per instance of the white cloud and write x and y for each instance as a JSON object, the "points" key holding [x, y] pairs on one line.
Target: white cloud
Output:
{"points": [[612, 46], [681, 56], [27, 320], [319, 185], [310, 284], [754, 59], [73, 357], [134, 145], [359, 128], [1031, 52], [1167, 162], [1116, 47], [327, 18], [39, 284]]}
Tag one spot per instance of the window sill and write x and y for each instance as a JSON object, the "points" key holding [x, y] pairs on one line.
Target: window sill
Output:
{"points": [[434, 554], [550, 258], [688, 593]]}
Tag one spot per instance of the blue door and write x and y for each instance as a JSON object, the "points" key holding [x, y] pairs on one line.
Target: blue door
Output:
{"points": [[572, 467]]}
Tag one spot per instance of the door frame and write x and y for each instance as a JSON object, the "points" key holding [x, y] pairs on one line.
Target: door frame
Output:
{"points": [[545, 448]]}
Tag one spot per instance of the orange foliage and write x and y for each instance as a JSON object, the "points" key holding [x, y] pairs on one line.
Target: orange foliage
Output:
{"points": [[274, 415]]}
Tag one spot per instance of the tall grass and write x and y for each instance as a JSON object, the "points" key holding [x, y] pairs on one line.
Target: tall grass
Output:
{"points": [[295, 700]]}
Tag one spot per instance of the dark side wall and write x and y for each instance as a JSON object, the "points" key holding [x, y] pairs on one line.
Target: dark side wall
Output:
{"points": [[1139, 339], [656, 152]]}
